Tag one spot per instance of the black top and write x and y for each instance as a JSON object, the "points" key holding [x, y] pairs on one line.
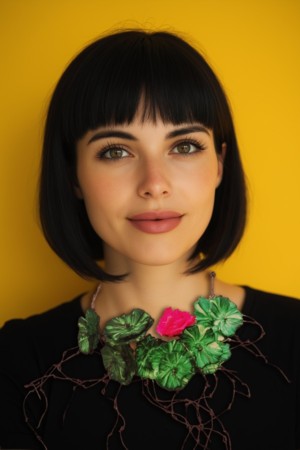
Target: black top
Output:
{"points": [[82, 418]]}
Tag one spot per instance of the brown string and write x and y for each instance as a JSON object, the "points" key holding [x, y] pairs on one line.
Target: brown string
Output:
{"points": [[208, 423]]}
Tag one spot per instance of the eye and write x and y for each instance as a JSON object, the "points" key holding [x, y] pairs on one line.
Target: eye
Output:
{"points": [[113, 152], [187, 147]]}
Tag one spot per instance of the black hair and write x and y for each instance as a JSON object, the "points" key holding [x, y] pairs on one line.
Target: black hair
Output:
{"points": [[104, 85]]}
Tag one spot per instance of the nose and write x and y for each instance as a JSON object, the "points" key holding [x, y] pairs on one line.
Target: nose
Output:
{"points": [[154, 182]]}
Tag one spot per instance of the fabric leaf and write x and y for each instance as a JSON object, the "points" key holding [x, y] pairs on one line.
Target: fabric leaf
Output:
{"points": [[127, 327], [173, 366], [205, 347], [218, 314], [144, 351], [119, 361], [88, 334]]}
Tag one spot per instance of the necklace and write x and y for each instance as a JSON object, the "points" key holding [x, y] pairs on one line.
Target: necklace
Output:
{"points": [[198, 342], [194, 344]]}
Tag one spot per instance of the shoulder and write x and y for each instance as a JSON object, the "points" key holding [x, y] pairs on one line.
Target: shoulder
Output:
{"points": [[33, 344], [279, 317], [44, 324], [271, 306]]}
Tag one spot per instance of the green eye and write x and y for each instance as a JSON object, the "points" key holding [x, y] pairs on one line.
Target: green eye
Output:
{"points": [[113, 153], [187, 148]]}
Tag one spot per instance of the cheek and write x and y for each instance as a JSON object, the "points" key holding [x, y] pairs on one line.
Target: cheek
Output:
{"points": [[104, 201], [97, 198], [203, 182], [94, 187], [201, 196]]}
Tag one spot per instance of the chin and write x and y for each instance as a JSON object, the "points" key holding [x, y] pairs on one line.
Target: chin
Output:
{"points": [[162, 258], [152, 253]]}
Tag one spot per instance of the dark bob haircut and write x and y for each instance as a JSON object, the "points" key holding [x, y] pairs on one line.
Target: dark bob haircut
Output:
{"points": [[104, 85]]}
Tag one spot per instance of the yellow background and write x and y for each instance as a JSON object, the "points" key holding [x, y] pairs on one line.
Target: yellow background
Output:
{"points": [[254, 45]]}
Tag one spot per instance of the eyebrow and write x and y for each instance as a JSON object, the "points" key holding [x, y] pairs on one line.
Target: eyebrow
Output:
{"points": [[131, 137], [186, 130]]}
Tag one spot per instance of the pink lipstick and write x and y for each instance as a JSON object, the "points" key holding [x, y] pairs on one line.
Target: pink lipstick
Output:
{"points": [[154, 222]]}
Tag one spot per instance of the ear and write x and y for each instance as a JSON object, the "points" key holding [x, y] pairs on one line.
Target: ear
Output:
{"points": [[221, 158], [76, 186], [77, 189], [78, 192]]}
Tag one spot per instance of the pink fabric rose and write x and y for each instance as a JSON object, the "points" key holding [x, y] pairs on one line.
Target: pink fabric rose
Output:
{"points": [[174, 321]]}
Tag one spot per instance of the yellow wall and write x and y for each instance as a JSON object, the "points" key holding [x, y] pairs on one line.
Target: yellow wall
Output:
{"points": [[254, 45]]}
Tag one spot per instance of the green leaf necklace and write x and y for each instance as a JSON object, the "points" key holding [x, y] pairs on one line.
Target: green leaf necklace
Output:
{"points": [[200, 341], [194, 344]]}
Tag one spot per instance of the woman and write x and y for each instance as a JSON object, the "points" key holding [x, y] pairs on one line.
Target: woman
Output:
{"points": [[141, 169]]}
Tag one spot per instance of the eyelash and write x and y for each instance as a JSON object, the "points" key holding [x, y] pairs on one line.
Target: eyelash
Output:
{"points": [[198, 145], [107, 148]]}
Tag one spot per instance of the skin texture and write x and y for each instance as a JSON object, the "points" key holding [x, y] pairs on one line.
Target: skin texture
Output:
{"points": [[160, 168], [151, 175]]}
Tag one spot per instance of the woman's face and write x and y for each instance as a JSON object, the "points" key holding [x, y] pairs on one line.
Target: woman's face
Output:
{"points": [[148, 189]]}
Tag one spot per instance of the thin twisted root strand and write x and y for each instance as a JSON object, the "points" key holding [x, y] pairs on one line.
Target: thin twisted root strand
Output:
{"points": [[199, 433]]}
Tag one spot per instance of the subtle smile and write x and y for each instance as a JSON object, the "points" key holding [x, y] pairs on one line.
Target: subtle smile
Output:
{"points": [[154, 222]]}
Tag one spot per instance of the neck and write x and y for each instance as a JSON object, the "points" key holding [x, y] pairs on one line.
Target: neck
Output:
{"points": [[152, 289]]}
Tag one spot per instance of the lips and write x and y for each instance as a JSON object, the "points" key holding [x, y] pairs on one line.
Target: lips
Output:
{"points": [[156, 221]]}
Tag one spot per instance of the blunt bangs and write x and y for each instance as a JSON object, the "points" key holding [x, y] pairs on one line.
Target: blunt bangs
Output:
{"points": [[110, 79], [160, 76]]}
